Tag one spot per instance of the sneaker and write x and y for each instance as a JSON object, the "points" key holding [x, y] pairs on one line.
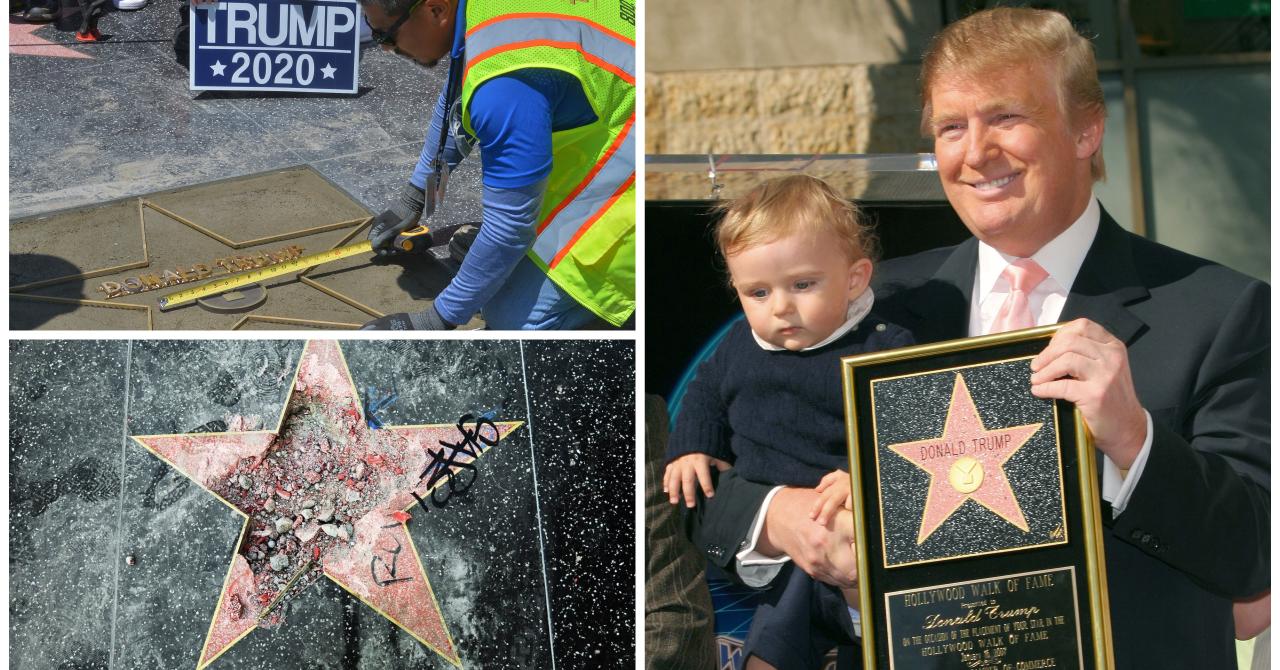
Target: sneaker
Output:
{"points": [[366, 31], [94, 35], [129, 5]]}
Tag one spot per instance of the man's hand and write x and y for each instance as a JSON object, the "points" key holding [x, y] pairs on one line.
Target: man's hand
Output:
{"points": [[826, 553], [1085, 365], [686, 474], [413, 204]]}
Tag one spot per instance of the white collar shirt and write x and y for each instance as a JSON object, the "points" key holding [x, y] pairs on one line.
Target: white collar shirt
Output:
{"points": [[1061, 258]]}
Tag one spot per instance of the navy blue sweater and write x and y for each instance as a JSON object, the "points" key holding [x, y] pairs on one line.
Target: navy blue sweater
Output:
{"points": [[777, 416]]}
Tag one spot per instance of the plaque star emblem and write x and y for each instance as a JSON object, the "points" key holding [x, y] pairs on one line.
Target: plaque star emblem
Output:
{"points": [[328, 71], [325, 495], [217, 68], [967, 463]]}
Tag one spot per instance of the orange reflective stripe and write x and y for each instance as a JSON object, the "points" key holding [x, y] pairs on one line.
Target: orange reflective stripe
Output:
{"points": [[558, 17], [557, 45], [577, 190], [554, 232], [594, 217]]}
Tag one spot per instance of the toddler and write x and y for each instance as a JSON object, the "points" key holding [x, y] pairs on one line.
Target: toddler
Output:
{"points": [[769, 400]]}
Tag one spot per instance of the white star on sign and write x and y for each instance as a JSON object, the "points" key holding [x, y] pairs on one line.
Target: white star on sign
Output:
{"points": [[217, 68], [328, 71]]}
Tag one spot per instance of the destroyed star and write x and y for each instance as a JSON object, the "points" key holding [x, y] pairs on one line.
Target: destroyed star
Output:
{"points": [[326, 495]]}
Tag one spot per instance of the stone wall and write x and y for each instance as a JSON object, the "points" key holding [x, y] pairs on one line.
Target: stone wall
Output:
{"points": [[828, 109], [715, 35]]}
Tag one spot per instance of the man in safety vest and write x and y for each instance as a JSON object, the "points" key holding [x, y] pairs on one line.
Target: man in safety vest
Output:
{"points": [[546, 89]]}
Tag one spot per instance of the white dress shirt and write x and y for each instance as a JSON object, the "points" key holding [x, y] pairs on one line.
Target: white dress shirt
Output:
{"points": [[1061, 258]]}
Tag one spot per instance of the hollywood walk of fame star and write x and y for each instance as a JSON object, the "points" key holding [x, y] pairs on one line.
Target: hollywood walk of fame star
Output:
{"points": [[328, 71], [967, 463], [163, 243], [218, 68], [24, 42], [359, 484]]}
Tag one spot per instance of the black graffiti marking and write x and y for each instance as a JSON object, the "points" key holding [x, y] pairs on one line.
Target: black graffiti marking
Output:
{"points": [[391, 567], [214, 426], [445, 465]]}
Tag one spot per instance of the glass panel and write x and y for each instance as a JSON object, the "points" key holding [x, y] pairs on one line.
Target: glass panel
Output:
{"points": [[1115, 193], [1095, 19], [1207, 164], [1200, 27], [866, 178]]}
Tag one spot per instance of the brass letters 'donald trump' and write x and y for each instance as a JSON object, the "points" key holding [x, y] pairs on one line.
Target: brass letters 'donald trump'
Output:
{"points": [[182, 275]]}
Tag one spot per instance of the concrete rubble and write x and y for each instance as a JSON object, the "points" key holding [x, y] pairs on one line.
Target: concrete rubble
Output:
{"points": [[301, 496]]}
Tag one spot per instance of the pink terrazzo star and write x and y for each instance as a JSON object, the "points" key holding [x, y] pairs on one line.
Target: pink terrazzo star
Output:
{"points": [[325, 495], [967, 463], [24, 42]]}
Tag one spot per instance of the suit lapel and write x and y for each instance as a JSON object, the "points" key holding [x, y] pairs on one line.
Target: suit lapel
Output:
{"points": [[1107, 283], [940, 314]]}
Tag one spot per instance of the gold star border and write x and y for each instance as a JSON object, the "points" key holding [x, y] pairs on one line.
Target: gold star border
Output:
{"points": [[19, 292], [968, 496]]}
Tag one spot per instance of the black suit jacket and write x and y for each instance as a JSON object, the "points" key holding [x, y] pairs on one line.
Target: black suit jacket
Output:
{"points": [[1196, 531]]}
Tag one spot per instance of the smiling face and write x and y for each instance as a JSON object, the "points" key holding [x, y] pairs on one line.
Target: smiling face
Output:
{"points": [[1010, 163], [796, 290]]}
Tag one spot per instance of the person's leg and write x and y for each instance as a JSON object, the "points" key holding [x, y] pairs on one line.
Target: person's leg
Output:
{"points": [[181, 47], [832, 622], [531, 301], [784, 633], [754, 663], [679, 621], [89, 13]]}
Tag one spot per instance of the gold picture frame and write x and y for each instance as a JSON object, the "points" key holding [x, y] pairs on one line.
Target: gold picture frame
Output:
{"points": [[941, 556]]}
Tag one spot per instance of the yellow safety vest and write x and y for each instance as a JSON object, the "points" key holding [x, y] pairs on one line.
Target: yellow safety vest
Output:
{"points": [[586, 230]]}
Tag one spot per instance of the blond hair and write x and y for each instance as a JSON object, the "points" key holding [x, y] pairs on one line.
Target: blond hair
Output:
{"points": [[785, 206], [1006, 37]]}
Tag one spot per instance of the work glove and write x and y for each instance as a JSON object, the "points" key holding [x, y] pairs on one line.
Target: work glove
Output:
{"points": [[462, 240], [414, 204], [427, 319]]}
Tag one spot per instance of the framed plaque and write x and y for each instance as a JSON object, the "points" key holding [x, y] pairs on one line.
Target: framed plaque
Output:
{"points": [[976, 511]]}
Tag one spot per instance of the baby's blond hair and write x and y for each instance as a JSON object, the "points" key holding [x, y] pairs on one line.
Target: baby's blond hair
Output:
{"points": [[794, 205]]}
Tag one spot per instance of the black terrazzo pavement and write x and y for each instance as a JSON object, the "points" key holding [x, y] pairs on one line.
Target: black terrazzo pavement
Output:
{"points": [[123, 123], [527, 576]]}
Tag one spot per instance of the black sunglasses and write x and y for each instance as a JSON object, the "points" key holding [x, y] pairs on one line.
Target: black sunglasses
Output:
{"points": [[388, 37]]}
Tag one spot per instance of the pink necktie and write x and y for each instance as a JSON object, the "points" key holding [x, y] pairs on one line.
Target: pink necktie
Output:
{"points": [[1023, 275]]}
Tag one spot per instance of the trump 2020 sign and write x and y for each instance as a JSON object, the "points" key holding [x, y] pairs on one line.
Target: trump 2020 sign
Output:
{"points": [[306, 46]]}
